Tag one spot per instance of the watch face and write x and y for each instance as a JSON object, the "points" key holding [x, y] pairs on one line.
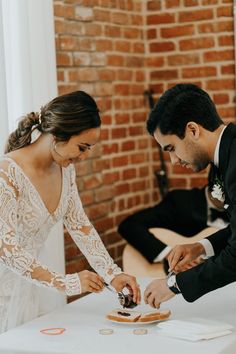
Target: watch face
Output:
{"points": [[171, 281]]}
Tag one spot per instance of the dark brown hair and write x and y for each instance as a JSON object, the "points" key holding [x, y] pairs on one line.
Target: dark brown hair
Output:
{"points": [[63, 117]]}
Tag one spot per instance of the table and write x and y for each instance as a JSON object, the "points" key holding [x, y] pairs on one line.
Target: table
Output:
{"points": [[83, 319]]}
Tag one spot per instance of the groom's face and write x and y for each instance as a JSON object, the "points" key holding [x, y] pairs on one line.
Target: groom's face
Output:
{"points": [[186, 152]]}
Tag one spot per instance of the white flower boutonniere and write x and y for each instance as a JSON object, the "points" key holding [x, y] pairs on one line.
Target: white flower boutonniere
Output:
{"points": [[218, 191]]}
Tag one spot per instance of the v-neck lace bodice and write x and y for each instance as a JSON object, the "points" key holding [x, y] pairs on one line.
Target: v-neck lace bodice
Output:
{"points": [[33, 190], [24, 226]]}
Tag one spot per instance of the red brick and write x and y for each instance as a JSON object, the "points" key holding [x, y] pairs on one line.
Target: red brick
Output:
{"points": [[196, 15], [222, 26], [221, 84], [225, 11], [177, 31], [103, 89], [102, 15], [105, 193], [91, 182], [137, 19], [172, 3], [132, 33], [158, 19], [122, 89], [110, 177], [191, 2], [81, 58], [64, 59], [112, 31], [178, 183], [118, 133], [63, 89], [138, 158], [122, 118], [134, 61], [138, 186], [124, 74], [138, 130], [151, 33], [161, 47], [220, 55], [164, 74], [103, 224], [228, 69], [87, 197], [65, 11], [92, 29], [221, 98], [122, 46], [154, 5], [140, 75], [128, 145], [68, 43], [105, 75], [129, 174], [100, 164], [205, 71], [138, 47], [226, 40], [103, 44], [229, 112], [120, 18], [120, 161], [97, 211], [121, 188], [110, 148], [115, 60], [155, 61], [198, 43], [143, 171], [183, 59]]}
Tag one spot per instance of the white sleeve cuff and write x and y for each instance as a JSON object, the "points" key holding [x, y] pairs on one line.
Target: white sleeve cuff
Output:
{"points": [[162, 255], [208, 248]]}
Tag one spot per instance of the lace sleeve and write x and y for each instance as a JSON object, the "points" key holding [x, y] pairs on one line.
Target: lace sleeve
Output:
{"points": [[18, 260], [86, 237]]}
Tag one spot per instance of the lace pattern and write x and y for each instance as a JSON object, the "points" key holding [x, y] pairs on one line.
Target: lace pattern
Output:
{"points": [[24, 225]]}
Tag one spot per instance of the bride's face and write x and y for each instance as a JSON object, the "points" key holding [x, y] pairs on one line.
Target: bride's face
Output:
{"points": [[76, 148]]}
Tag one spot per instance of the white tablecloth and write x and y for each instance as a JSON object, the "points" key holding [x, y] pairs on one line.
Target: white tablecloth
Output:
{"points": [[84, 317]]}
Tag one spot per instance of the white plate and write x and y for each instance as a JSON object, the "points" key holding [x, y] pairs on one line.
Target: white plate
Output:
{"points": [[135, 323]]}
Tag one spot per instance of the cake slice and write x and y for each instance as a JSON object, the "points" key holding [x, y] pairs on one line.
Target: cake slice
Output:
{"points": [[154, 316], [123, 315]]}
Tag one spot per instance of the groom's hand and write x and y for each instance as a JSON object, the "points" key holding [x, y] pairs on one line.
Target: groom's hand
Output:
{"points": [[183, 257], [157, 292]]}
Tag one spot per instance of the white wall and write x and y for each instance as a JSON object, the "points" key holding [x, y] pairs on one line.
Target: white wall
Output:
{"points": [[27, 81]]}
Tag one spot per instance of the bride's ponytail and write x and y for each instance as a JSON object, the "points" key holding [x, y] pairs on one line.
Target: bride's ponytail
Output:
{"points": [[22, 135]]}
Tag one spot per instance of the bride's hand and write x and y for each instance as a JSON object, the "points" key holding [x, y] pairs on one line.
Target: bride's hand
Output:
{"points": [[91, 282], [124, 280]]}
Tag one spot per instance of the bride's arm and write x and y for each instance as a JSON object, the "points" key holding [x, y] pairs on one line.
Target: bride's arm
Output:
{"points": [[86, 237], [18, 260]]}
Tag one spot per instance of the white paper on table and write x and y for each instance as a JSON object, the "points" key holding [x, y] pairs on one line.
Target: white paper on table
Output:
{"points": [[194, 329]]}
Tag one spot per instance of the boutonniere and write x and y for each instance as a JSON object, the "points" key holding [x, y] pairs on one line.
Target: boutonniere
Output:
{"points": [[218, 190]]}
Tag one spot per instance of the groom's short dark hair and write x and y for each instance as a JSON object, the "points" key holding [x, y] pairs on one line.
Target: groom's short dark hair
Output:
{"points": [[178, 106]]}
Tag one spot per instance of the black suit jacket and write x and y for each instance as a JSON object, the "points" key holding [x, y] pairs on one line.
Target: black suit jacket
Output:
{"points": [[219, 270]]}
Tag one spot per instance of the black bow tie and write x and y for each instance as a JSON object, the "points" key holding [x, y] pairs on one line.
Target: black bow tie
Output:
{"points": [[216, 214], [214, 176]]}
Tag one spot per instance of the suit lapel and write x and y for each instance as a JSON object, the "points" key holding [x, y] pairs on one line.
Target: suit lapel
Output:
{"points": [[228, 135]]}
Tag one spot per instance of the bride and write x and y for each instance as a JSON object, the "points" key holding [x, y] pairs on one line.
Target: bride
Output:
{"points": [[37, 189]]}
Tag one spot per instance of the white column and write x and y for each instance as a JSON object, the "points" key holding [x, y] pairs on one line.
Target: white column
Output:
{"points": [[27, 81]]}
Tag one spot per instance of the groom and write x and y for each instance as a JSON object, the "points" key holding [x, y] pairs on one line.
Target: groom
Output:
{"points": [[186, 124]]}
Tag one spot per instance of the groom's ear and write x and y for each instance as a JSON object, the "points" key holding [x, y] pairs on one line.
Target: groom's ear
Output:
{"points": [[192, 130]]}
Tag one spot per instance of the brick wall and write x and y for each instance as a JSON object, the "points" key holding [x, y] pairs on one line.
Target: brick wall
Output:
{"points": [[192, 41], [114, 50]]}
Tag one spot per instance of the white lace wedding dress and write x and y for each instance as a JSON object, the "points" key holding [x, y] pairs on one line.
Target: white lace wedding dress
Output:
{"points": [[24, 226]]}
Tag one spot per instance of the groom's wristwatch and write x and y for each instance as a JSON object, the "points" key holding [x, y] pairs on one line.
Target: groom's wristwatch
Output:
{"points": [[171, 282]]}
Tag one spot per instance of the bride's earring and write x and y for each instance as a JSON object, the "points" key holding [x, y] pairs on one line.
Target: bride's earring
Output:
{"points": [[54, 147]]}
